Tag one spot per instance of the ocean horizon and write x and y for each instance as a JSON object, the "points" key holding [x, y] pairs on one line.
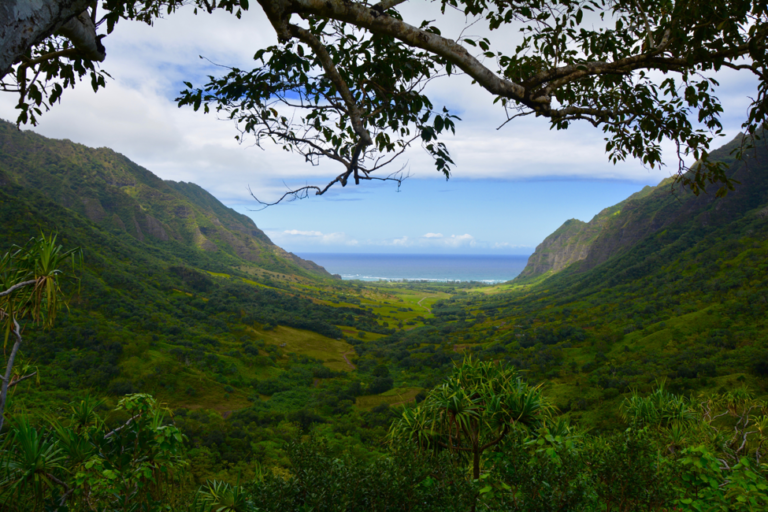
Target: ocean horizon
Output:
{"points": [[421, 267]]}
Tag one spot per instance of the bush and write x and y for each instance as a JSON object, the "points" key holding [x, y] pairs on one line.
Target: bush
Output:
{"points": [[381, 385], [322, 481]]}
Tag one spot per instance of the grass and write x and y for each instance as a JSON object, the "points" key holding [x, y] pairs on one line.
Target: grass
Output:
{"points": [[328, 350], [182, 386]]}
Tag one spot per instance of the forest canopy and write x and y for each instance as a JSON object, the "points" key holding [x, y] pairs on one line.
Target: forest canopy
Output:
{"points": [[348, 80]]}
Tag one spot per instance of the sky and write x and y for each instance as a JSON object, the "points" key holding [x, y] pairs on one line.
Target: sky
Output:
{"points": [[511, 187]]}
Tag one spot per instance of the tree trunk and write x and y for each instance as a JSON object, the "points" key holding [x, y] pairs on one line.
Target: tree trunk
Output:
{"points": [[475, 473], [8, 371], [24, 23]]}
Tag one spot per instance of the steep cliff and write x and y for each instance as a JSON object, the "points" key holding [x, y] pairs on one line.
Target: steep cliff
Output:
{"points": [[583, 246], [573, 240]]}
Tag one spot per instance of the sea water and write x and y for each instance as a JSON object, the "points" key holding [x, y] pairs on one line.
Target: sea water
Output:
{"points": [[418, 267]]}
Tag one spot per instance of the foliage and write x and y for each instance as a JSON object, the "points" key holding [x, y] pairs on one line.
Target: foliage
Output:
{"points": [[81, 463], [472, 411], [30, 290], [33, 273], [323, 481], [355, 73]]}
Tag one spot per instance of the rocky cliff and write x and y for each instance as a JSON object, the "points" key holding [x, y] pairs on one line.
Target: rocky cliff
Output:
{"points": [[583, 246], [572, 241]]}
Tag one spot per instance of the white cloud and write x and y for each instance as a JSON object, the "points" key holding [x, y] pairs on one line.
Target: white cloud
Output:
{"points": [[297, 236], [460, 240], [302, 233], [507, 245], [404, 241], [431, 240]]}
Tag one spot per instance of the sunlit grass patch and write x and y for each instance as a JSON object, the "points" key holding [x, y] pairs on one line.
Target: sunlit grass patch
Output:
{"points": [[396, 396], [328, 350]]}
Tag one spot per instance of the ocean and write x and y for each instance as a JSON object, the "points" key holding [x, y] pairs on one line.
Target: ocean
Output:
{"points": [[417, 267]]}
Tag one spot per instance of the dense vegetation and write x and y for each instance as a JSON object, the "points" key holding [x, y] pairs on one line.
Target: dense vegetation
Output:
{"points": [[261, 384]]}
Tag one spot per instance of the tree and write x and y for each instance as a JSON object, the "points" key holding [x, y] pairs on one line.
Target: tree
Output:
{"points": [[473, 411], [55, 42], [78, 463], [25, 23], [29, 280], [347, 81]]}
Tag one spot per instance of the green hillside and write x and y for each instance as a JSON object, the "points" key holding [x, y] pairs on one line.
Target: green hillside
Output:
{"points": [[674, 287], [129, 201], [281, 376]]}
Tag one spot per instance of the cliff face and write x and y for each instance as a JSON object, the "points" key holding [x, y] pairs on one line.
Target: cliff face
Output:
{"points": [[652, 210], [568, 244], [573, 240], [114, 192]]}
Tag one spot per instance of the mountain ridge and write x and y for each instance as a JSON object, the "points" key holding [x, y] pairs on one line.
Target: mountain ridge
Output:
{"points": [[114, 192], [581, 246]]}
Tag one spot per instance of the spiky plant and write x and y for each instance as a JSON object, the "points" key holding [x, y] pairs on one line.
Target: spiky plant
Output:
{"points": [[473, 411]]}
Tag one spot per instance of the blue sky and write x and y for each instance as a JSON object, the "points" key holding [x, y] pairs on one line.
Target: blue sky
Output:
{"points": [[484, 216], [511, 187]]}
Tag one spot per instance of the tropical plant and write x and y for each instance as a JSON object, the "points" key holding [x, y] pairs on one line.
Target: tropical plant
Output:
{"points": [[31, 459], [659, 409], [323, 480], [473, 411], [29, 290], [223, 497], [82, 465]]}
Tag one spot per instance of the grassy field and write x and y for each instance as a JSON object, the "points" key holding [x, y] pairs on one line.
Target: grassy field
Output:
{"points": [[331, 352], [393, 397]]}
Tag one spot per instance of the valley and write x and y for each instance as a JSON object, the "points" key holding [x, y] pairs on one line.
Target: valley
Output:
{"points": [[250, 347]]}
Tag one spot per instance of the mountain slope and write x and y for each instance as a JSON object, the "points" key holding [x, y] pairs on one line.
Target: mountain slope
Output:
{"points": [[618, 228], [115, 193], [672, 288]]}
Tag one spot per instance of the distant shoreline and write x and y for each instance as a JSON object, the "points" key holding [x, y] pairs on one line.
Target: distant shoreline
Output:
{"points": [[488, 269]]}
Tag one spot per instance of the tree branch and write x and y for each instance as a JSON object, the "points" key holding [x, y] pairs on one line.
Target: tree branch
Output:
{"points": [[303, 192], [322, 54], [118, 429], [24, 24], [387, 4], [496, 441], [81, 30], [69, 52], [9, 368], [17, 286], [379, 23], [20, 379]]}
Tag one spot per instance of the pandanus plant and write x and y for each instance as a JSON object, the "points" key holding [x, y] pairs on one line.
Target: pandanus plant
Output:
{"points": [[473, 411], [30, 459], [29, 291]]}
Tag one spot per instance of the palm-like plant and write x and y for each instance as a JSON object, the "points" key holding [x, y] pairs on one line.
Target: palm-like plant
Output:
{"points": [[84, 413], [29, 290], [29, 465], [660, 409], [473, 411], [223, 497]]}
